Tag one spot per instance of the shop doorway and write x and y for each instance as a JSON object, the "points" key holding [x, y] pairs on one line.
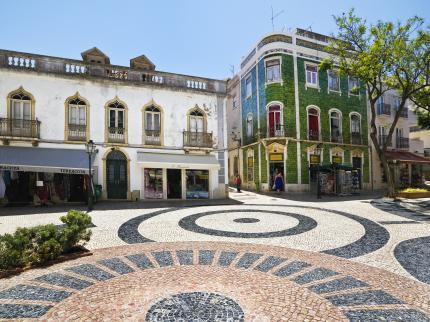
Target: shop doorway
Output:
{"points": [[116, 172], [174, 184], [356, 178], [274, 169]]}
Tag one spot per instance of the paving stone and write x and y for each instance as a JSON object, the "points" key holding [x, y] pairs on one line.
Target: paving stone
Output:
{"points": [[291, 268], [64, 280], [116, 265], [30, 292], [185, 257], [15, 311], [394, 315], [314, 275], [206, 257], [91, 271], [163, 258], [226, 258], [247, 260], [363, 298], [269, 263], [141, 261], [340, 284]]}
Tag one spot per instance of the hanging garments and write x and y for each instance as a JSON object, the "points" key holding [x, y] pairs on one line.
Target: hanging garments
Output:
{"points": [[2, 186]]}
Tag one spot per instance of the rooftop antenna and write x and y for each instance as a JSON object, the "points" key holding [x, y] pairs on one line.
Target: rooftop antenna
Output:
{"points": [[232, 70], [274, 16]]}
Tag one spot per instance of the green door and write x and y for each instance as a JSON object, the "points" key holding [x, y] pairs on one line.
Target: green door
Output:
{"points": [[116, 171]]}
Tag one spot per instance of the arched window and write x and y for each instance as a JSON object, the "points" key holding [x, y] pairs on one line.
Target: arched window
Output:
{"points": [[20, 106], [116, 122], [249, 125], [274, 119], [77, 119], [355, 129], [335, 126], [21, 113], [196, 121], [152, 125], [313, 124]]}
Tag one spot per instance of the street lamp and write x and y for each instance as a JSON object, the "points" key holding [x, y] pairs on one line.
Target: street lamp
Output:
{"points": [[317, 151], [90, 148]]}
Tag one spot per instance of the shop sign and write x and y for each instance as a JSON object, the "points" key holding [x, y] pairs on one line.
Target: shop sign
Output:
{"points": [[43, 169], [276, 157], [10, 167], [315, 159], [336, 159], [250, 162]]}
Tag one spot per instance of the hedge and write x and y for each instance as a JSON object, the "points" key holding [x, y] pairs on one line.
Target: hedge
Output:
{"points": [[39, 244]]}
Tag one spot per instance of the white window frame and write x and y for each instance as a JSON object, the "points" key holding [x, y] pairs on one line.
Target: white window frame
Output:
{"points": [[21, 104], [78, 109], [350, 93], [116, 116], [268, 60], [314, 85], [350, 121], [340, 120], [152, 115], [248, 80], [338, 80], [319, 120]]}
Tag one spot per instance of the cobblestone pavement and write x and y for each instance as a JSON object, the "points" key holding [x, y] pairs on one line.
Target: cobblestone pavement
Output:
{"points": [[255, 258]]}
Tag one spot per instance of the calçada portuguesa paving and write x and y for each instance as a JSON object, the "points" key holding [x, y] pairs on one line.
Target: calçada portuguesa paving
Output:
{"points": [[254, 258]]}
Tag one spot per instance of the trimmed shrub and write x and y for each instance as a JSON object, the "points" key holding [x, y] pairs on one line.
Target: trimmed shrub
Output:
{"points": [[39, 244]]}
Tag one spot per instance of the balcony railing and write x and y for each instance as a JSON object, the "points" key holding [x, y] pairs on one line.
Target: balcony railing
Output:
{"points": [[152, 137], [336, 138], [402, 143], [19, 128], [276, 131], [116, 134], [383, 109], [314, 135], [77, 132], [198, 139], [382, 138], [356, 138]]}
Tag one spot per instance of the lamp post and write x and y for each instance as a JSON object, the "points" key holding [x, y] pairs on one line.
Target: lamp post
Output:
{"points": [[90, 148], [318, 152]]}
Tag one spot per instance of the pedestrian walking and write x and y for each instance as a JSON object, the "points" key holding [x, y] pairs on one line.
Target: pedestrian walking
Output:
{"points": [[238, 182], [279, 182]]}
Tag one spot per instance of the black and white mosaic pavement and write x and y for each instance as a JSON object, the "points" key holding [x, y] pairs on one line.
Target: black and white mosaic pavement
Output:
{"points": [[196, 306], [414, 256]]}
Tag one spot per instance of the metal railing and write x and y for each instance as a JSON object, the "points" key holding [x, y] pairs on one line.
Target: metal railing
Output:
{"points": [[152, 137], [116, 134], [382, 138], [19, 128], [314, 135], [383, 109], [276, 131], [197, 139], [356, 138], [336, 138], [77, 132], [402, 143]]}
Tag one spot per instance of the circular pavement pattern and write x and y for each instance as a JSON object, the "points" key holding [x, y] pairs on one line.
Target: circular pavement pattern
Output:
{"points": [[234, 281], [303, 227], [196, 307]]}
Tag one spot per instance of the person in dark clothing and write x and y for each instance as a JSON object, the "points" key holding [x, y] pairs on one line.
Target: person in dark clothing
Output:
{"points": [[279, 182], [238, 182]]}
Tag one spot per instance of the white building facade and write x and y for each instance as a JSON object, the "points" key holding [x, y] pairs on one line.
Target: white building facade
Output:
{"points": [[158, 135]]}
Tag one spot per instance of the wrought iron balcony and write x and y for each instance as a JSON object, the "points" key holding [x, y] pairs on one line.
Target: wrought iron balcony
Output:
{"points": [[276, 131], [18, 128], [152, 137], [116, 134], [382, 138], [77, 132], [356, 138], [336, 138], [402, 143], [383, 109], [197, 139], [314, 135]]}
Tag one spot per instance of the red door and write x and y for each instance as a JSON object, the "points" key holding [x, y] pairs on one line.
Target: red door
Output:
{"points": [[274, 121], [313, 125]]}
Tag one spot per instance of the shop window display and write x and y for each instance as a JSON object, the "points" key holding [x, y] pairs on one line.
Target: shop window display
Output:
{"points": [[154, 183], [197, 184]]}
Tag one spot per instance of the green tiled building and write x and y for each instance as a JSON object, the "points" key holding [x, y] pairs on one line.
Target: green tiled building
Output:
{"points": [[294, 116]]}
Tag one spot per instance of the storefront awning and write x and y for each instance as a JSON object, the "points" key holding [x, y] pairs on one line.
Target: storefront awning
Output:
{"points": [[37, 159], [406, 157], [179, 161]]}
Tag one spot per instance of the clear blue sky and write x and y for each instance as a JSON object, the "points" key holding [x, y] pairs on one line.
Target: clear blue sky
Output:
{"points": [[195, 37]]}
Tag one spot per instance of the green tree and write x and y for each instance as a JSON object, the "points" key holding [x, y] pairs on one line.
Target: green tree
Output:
{"points": [[384, 56]]}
